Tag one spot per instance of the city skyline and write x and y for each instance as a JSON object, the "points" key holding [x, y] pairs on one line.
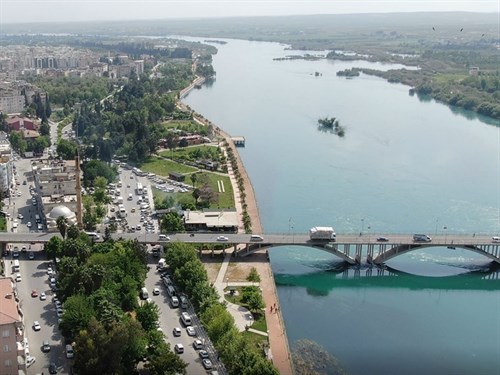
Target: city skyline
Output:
{"points": [[29, 11]]}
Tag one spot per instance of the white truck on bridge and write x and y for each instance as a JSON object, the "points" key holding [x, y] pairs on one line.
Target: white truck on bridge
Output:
{"points": [[322, 233]]}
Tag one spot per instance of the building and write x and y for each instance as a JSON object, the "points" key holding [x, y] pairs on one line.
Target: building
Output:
{"points": [[13, 354], [211, 220], [56, 182], [58, 211], [21, 123], [6, 166]]}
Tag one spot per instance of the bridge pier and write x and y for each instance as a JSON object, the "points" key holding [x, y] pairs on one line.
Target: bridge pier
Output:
{"points": [[359, 250]]}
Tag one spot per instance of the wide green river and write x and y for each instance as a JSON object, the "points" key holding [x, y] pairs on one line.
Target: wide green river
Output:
{"points": [[405, 165]]}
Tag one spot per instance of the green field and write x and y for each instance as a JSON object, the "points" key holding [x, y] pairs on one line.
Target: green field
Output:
{"points": [[187, 152], [162, 167]]}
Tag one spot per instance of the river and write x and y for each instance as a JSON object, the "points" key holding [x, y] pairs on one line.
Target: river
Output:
{"points": [[405, 165]]}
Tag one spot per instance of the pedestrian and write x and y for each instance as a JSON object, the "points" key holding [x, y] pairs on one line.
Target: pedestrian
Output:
{"points": [[271, 309]]}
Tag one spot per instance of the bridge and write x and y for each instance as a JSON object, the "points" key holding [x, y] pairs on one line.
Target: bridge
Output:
{"points": [[349, 247]]}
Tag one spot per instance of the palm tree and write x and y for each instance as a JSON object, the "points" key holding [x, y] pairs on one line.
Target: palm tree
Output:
{"points": [[62, 225]]}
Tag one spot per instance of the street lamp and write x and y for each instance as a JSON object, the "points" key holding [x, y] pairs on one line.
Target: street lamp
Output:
{"points": [[362, 226], [445, 234]]}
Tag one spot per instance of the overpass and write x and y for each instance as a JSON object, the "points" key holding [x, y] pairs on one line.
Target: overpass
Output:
{"points": [[349, 247]]}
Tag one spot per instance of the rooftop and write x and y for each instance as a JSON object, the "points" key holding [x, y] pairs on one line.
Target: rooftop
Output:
{"points": [[8, 304]]}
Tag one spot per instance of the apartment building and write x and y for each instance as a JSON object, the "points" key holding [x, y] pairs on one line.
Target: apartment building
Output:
{"points": [[6, 166], [12, 353]]}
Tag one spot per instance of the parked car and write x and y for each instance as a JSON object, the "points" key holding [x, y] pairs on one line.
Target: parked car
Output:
{"points": [[177, 331], [207, 363], [191, 331], [52, 368], [179, 348], [45, 346], [203, 354], [43, 296], [197, 344], [36, 326], [34, 293]]}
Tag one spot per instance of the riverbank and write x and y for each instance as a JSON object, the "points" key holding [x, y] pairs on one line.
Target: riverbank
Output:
{"points": [[278, 342]]}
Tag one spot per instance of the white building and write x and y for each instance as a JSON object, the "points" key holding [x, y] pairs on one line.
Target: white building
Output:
{"points": [[6, 171]]}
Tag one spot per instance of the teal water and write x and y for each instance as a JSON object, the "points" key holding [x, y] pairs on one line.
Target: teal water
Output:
{"points": [[404, 165]]}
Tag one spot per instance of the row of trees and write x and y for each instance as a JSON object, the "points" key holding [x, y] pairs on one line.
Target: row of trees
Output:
{"points": [[237, 352], [98, 284]]}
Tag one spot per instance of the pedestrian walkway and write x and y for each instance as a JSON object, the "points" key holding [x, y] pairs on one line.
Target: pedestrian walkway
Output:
{"points": [[242, 316]]}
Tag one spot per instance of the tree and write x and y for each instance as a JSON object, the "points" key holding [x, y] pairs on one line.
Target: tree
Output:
{"points": [[66, 149], [162, 361], [253, 276], [54, 248], [73, 232], [172, 222], [148, 315], [62, 225], [194, 178]]}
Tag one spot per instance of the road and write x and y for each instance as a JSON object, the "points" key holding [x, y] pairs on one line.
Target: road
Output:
{"points": [[170, 318], [34, 277]]}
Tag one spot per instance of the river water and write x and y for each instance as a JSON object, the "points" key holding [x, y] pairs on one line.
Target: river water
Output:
{"points": [[405, 165]]}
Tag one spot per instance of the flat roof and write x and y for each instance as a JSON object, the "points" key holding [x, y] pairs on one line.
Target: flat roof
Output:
{"points": [[8, 304], [212, 218]]}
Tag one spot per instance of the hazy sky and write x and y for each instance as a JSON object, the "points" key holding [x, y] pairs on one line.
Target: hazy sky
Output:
{"points": [[15, 11]]}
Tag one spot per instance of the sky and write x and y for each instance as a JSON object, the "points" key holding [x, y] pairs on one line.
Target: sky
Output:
{"points": [[21, 11]]}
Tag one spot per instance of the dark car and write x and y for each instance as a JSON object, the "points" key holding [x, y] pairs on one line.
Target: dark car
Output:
{"points": [[52, 368], [46, 346], [382, 239]]}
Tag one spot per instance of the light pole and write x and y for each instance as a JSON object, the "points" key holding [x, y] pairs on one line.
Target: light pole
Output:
{"points": [[369, 233], [445, 234], [362, 226]]}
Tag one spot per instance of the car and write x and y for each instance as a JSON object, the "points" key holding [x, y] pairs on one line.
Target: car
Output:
{"points": [[138, 227], [207, 363], [15, 253], [15, 224], [30, 360], [43, 296], [23, 249], [131, 177], [191, 331], [495, 239], [18, 278], [60, 313], [36, 326], [52, 368], [50, 271], [20, 216], [39, 226], [31, 255], [197, 344], [45, 346], [34, 293], [163, 237], [132, 209], [203, 354], [176, 331], [382, 239], [69, 352], [179, 348], [28, 224], [222, 238], [19, 194], [24, 182], [156, 291]]}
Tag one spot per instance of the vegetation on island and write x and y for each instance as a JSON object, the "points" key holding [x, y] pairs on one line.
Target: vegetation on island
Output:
{"points": [[332, 125], [353, 72]]}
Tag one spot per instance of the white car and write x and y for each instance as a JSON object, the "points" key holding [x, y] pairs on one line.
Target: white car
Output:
{"points": [[191, 331], [30, 360], [222, 238], [179, 348], [28, 224], [20, 216], [177, 331], [197, 344], [207, 364], [156, 291], [18, 278], [43, 296], [36, 326]]}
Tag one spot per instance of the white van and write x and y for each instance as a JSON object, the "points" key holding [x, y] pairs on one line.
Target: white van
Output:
{"points": [[171, 291], [144, 293], [184, 302], [256, 237], [93, 235], [495, 239], [15, 267], [186, 319], [174, 301], [69, 352]]}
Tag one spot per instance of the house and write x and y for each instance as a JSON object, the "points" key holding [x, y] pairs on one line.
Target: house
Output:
{"points": [[176, 176], [211, 220], [21, 123]]}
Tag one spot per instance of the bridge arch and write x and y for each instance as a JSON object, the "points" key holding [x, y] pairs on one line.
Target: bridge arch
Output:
{"points": [[327, 247], [490, 251]]}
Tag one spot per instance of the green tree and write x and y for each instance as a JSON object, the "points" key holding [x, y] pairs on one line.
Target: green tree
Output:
{"points": [[78, 312], [194, 178], [73, 232], [62, 225], [172, 222], [148, 315], [162, 361], [253, 275], [66, 149], [54, 248]]}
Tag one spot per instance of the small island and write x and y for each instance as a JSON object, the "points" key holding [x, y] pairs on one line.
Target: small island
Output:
{"points": [[348, 73], [332, 125]]}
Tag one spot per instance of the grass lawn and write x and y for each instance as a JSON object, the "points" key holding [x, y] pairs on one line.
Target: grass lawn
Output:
{"points": [[257, 339], [184, 152], [163, 167], [226, 199], [3, 224], [260, 319]]}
